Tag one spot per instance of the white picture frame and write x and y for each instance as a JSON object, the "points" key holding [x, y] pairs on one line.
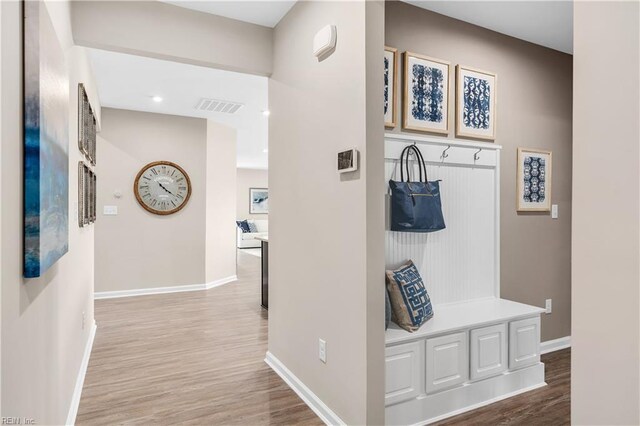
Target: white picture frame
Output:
{"points": [[476, 100], [258, 200]]}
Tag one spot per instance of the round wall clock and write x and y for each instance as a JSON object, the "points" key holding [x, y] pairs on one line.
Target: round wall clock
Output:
{"points": [[162, 187]]}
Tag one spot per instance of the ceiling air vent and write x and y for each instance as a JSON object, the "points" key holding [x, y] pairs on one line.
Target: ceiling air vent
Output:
{"points": [[214, 105]]}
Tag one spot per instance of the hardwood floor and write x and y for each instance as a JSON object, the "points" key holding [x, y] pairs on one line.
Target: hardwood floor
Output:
{"points": [[549, 405], [187, 358], [197, 358]]}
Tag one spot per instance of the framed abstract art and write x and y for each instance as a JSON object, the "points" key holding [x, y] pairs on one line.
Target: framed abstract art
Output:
{"points": [[390, 86], [475, 103], [533, 180], [46, 143], [426, 94], [258, 200]]}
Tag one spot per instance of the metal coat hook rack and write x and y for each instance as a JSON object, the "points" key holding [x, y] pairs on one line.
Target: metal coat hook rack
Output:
{"points": [[476, 155]]}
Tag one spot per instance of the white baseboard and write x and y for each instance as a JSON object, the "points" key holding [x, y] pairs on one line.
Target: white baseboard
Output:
{"points": [[309, 398], [77, 392], [162, 290], [555, 345]]}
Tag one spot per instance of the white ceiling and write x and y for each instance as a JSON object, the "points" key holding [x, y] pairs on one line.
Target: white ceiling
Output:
{"points": [[547, 23], [265, 12], [130, 82]]}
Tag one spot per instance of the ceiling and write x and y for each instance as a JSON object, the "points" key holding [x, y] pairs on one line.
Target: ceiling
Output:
{"points": [[547, 23], [266, 12], [130, 82]]}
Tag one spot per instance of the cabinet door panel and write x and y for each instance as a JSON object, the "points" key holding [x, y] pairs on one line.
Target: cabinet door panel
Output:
{"points": [[524, 342], [447, 361], [488, 351], [404, 372]]}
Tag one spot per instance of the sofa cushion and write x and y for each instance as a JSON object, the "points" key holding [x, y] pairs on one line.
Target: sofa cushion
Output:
{"points": [[252, 226], [243, 225], [410, 302]]}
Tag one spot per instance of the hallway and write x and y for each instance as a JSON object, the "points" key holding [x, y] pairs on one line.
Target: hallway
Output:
{"points": [[187, 358]]}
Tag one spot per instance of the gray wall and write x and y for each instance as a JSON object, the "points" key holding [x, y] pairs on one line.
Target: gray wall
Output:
{"points": [[137, 249], [246, 179], [165, 31], [333, 287], [534, 111], [605, 376], [43, 337]]}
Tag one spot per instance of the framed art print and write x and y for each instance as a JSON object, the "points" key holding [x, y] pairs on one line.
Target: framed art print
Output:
{"points": [[426, 94], [533, 180], [258, 200], [390, 86], [475, 103]]}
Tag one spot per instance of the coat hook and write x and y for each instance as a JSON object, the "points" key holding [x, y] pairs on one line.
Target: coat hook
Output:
{"points": [[476, 155], [444, 153]]}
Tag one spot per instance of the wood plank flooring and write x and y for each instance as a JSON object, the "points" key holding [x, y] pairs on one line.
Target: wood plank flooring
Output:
{"points": [[187, 358], [197, 358]]}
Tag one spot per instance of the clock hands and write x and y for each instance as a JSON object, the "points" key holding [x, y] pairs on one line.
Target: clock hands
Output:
{"points": [[161, 186]]}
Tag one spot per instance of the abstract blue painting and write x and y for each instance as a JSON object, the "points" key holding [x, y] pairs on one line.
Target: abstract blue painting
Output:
{"points": [[534, 175], [46, 143], [475, 103], [534, 180], [390, 83], [426, 88]]}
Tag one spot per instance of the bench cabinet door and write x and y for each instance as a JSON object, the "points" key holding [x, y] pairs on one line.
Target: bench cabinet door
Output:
{"points": [[524, 342], [404, 371], [488, 351], [447, 361]]}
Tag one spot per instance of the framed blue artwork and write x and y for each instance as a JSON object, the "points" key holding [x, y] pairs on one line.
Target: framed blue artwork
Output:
{"points": [[533, 180], [426, 94], [475, 103], [46, 143], [390, 86]]}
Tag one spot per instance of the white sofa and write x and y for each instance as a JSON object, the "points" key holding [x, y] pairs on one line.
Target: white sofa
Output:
{"points": [[248, 239]]}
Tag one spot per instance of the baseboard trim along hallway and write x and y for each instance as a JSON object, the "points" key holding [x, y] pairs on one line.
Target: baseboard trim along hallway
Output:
{"points": [[309, 398], [163, 290], [77, 392], [555, 345]]}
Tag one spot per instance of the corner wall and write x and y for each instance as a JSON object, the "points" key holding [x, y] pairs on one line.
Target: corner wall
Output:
{"points": [[247, 179], [333, 287], [605, 355], [533, 111], [43, 333]]}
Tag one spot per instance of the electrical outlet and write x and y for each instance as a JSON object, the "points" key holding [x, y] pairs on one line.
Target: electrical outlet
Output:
{"points": [[322, 350], [83, 319], [547, 306]]}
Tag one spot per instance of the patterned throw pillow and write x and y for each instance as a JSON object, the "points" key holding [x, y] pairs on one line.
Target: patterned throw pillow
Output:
{"points": [[243, 225], [410, 303], [253, 227]]}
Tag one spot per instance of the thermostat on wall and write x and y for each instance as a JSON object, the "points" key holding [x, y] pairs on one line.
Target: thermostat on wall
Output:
{"points": [[324, 41], [348, 161]]}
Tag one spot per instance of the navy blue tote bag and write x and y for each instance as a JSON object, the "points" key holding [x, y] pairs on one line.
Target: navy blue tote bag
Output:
{"points": [[415, 206]]}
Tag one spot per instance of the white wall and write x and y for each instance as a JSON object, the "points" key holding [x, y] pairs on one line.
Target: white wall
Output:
{"points": [[605, 336], [334, 289], [137, 249], [43, 340], [246, 179], [165, 31], [220, 256]]}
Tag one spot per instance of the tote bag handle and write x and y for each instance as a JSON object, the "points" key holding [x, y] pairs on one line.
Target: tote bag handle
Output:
{"points": [[405, 162]]}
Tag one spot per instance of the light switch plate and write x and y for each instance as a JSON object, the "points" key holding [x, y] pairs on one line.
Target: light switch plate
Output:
{"points": [[554, 211], [110, 210]]}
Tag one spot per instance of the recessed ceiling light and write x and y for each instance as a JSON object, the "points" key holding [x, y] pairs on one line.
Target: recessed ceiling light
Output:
{"points": [[266, 112], [157, 99]]}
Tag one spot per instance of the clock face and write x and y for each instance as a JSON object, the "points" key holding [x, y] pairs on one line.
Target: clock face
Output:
{"points": [[162, 187]]}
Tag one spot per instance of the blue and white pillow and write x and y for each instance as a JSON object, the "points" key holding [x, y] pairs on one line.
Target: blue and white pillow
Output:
{"points": [[243, 225], [410, 302], [253, 227]]}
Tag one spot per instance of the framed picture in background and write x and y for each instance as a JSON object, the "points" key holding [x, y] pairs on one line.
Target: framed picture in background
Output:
{"points": [[475, 103], [390, 86], [425, 106], [258, 200], [533, 180]]}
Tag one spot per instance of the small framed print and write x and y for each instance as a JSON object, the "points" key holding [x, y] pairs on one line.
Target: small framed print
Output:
{"points": [[475, 103], [390, 86], [348, 161], [533, 180], [426, 94], [258, 200]]}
